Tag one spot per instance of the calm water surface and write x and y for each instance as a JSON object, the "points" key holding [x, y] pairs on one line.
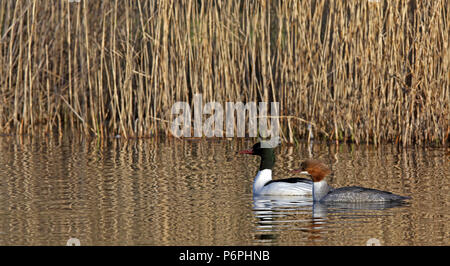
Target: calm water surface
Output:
{"points": [[166, 192]]}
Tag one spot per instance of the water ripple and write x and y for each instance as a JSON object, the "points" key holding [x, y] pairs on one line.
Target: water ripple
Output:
{"points": [[166, 192]]}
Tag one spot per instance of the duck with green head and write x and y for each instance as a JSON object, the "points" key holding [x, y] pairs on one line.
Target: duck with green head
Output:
{"points": [[264, 185]]}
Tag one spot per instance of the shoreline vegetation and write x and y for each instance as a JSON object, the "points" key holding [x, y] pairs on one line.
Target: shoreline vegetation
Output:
{"points": [[358, 71]]}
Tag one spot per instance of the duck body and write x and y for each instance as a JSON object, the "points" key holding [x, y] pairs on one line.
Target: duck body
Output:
{"points": [[360, 194], [264, 185], [324, 193]]}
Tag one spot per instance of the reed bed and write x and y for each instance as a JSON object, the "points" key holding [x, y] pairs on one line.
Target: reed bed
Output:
{"points": [[355, 70]]}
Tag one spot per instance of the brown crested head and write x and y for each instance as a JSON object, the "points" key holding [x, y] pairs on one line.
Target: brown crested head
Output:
{"points": [[316, 169]]}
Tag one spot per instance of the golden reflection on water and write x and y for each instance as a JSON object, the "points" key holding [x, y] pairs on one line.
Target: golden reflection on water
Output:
{"points": [[170, 192]]}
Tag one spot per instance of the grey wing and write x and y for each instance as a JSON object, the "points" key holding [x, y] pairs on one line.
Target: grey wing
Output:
{"points": [[361, 194]]}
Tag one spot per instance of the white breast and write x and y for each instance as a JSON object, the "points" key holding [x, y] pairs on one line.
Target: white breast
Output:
{"points": [[262, 177]]}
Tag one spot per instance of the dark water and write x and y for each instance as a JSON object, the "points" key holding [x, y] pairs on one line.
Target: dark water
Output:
{"points": [[166, 192]]}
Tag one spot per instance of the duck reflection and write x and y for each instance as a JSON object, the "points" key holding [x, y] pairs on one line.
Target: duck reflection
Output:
{"points": [[276, 214]]}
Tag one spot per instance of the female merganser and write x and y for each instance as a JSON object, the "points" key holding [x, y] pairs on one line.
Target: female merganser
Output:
{"points": [[322, 192], [264, 185]]}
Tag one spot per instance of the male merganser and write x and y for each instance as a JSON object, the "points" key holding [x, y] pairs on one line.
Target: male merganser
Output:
{"points": [[322, 192], [264, 185]]}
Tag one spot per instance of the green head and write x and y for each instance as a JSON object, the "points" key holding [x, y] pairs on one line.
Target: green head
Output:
{"points": [[267, 155]]}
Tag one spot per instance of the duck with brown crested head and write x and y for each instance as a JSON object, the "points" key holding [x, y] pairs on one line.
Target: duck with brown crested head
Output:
{"points": [[322, 192]]}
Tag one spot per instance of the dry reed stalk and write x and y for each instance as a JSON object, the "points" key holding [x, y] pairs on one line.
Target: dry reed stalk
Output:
{"points": [[359, 71]]}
